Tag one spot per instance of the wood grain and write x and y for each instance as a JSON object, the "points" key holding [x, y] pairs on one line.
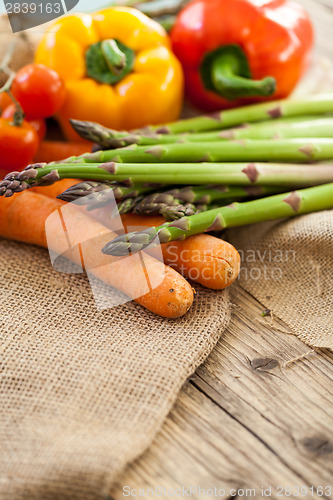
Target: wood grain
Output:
{"points": [[249, 417], [258, 413]]}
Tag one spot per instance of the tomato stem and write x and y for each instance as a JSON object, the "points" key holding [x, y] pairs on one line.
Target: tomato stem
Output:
{"points": [[19, 113]]}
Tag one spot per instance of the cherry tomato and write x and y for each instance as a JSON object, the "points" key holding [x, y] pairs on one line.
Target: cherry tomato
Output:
{"points": [[5, 101], [18, 145], [39, 124], [40, 90]]}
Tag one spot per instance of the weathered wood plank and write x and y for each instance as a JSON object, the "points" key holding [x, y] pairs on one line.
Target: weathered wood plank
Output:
{"points": [[200, 445], [288, 405], [248, 417]]}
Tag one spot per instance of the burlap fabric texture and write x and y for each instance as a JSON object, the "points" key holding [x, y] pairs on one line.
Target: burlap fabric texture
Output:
{"points": [[84, 392], [288, 267]]}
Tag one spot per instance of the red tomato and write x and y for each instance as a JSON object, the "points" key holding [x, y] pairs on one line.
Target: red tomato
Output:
{"points": [[39, 90], [18, 145], [38, 125]]}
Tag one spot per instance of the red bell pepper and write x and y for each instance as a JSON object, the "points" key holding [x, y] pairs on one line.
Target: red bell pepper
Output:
{"points": [[239, 51]]}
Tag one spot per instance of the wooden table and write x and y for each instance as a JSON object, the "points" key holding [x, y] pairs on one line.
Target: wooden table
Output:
{"points": [[258, 413]]}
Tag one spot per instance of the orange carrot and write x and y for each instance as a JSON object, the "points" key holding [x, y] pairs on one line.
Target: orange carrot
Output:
{"points": [[210, 261], [59, 150], [53, 190], [23, 218]]}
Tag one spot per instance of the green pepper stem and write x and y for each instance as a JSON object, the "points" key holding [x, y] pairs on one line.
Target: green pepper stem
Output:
{"points": [[114, 57], [229, 84]]}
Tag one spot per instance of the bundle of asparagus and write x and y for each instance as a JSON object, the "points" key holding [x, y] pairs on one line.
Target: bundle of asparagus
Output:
{"points": [[283, 128], [200, 173], [286, 111]]}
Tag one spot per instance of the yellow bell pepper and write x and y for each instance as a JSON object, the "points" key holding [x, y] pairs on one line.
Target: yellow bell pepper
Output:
{"points": [[118, 69]]}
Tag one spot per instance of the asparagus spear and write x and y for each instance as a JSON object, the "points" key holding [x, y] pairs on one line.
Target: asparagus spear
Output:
{"points": [[241, 174], [78, 192], [175, 212], [283, 129], [293, 150], [127, 205], [273, 207], [158, 202], [157, 8], [97, 194], [314, 104]]}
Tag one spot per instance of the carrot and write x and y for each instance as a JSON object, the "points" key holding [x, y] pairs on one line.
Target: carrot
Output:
{"points": [[53, 190], [210, 261], [23, 218], [59, 150]]}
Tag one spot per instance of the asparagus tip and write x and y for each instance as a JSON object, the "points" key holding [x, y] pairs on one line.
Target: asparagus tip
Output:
{"points": [[131, 242], [16, 182]]}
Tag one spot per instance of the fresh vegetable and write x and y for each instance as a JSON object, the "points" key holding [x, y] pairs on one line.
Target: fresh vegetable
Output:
{"points": [[239, 49], [318, 104], [241, 174], [38, 124], [133, 220], [283, 129], [23, 217], [5, 101], [39, 90], [178, 211], [54, 190], [117, 66], [18, 144], [159, 8], [294, 150], [58, 150], [273, 207], [203, 258], [159, 202], [155, 203], [127, 205], [97, 194]]}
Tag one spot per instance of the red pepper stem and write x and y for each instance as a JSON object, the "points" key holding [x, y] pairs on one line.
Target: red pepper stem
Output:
{"points": [[230, 85]]}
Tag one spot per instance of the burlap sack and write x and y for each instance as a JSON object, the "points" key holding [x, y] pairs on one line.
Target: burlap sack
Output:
{"points": [[288, 267], [84, 392], [24, 45]]}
